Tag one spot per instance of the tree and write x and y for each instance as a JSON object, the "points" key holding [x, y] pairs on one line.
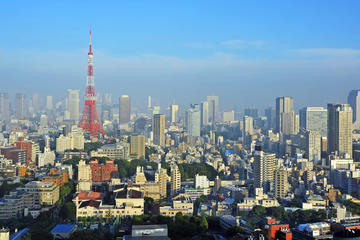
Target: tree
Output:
{"points": [[234, 230], [68, 211], [203, 225]]}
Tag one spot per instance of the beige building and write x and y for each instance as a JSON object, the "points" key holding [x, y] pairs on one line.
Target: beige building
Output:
{"points": [[84, 177], [159, 129], [180, 204], [151, 190], [175, 179], [281, 183], [140, 178], [45, 193], [137, 146], [340, 128], [285, 115], [161, 178], [174, 108], [112, 151], [127, 203], [74, 140], [264, 166]]}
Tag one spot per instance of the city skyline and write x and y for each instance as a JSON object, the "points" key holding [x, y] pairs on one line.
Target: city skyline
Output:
{"points": [[225, 56]]}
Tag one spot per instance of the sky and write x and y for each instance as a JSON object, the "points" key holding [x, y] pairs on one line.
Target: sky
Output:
{"points": [[246, 52]]}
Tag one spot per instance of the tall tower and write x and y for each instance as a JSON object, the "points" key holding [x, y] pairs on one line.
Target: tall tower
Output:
{"points": [[90, 120]]}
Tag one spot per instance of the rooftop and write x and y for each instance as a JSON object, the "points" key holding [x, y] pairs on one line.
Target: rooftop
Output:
{"points": [[63, 228]]}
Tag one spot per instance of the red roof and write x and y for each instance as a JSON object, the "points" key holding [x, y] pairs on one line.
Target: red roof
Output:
{"points": [[89, 196]]}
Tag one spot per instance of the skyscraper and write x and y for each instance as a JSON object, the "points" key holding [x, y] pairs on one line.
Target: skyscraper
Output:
{"points": [[264, 166], [4, 107], [193, 120], [124, 109], [340, 128], [314, 119], [354, 102], [49, 102], [159, 129], [281, 183], [175, 179], [213, 111], [36, 103], [247, 125], [174, 111], [285, 115], [204, 113], [161, 178], [73, 101], [313, 146], [270, 114], [20, 106], [137, 146]]}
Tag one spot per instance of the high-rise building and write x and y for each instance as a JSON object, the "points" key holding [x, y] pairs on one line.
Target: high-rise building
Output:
{"points": [[73, 101], [174, 111], [161, 178], [354, 102], [281, 183], [175, 179], [84, 176], [204, 113], [213, 111], [4, 107], [270, 114], [137, 146], [340, 128], [159, 129], [49, 102], [285, 115], [20, 106], [36, 103], [248, 125], [193, 120], [313, 146], [314, 119], [252, 112], [264, 166], [124, 109], [228, 116]]}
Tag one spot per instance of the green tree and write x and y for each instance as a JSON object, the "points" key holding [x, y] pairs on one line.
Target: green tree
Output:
{"points": [[204, 225], [68, 211], [234, 230]]}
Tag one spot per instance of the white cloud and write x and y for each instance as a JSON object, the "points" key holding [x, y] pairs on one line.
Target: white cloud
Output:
{"points": [[241, 44], [327, 52]]}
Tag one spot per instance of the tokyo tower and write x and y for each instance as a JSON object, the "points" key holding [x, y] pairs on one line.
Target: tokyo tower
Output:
{"points": [[90, 120]]}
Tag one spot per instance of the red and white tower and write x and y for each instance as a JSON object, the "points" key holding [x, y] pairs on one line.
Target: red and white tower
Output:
{"points": [[90, 120]]}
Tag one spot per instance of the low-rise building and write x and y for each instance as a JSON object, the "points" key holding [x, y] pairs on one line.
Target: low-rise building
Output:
{"points": [[45, 193]]}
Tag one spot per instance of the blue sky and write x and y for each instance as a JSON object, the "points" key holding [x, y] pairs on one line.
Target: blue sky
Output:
{"points": [[247, 52]]}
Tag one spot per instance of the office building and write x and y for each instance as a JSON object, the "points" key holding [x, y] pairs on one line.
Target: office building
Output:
{"points": [[161, 178], [354, 102], [313, 146], [137, 146], [281, 183], [270, 114], [36, 102], [124, 109], [49, 102], [204, 113], [103, 172], [251, 112], [73, 105], [174, 113], [20, 106], [159, 129], [340, 128], [314, 119], [248, 125], [193, 120], [4, 107], [285, 115], [228, 116], [175, 179], [264, 166], [213, 109]]}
